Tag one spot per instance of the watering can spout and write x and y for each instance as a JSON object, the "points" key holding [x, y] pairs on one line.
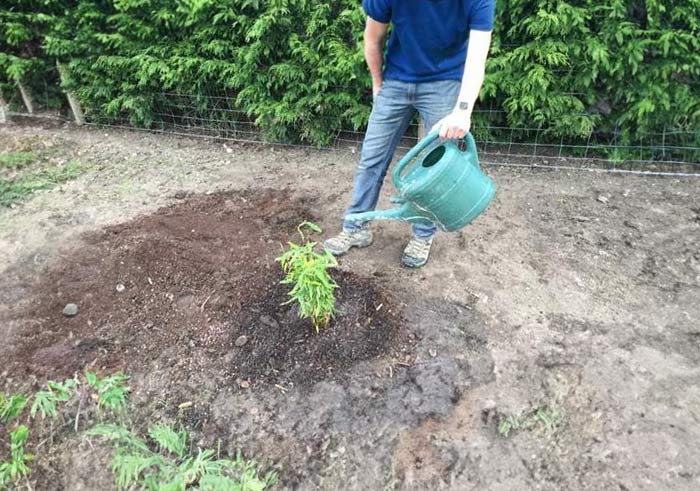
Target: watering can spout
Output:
{"points": [[403, 212]]}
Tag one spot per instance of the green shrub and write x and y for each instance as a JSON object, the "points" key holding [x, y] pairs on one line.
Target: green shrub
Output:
{"points": [[621, 72]]}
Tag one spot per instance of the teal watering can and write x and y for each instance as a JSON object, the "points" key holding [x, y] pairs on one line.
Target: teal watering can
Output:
{"points": [[446, 186]]}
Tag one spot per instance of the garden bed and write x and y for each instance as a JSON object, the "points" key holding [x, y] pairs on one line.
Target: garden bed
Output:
{"points": [[553, 344]]}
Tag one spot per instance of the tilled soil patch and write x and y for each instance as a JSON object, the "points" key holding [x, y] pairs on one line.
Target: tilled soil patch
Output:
{"points": [[188, 301], [193, 290], [280, 348]]}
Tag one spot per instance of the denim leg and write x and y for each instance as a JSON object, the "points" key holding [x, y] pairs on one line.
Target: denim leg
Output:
{"points": [[434, 101], [391, 115]]}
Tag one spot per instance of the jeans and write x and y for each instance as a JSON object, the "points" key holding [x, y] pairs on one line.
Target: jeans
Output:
{"points": [[394, 106]]}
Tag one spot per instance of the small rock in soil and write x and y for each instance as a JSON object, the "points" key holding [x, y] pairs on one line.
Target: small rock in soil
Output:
{"points": [[241, 341], [580, 218], [602, 199], [85, 217], [180, 194], [70, 310], [120, 288]]}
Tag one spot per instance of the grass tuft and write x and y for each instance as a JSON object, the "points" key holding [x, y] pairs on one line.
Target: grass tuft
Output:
{"points": [[541, 416], [14, 189], [17, 160]]}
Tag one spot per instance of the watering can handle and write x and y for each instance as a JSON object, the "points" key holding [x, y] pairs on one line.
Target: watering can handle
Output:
{"points": [[422, 145]]}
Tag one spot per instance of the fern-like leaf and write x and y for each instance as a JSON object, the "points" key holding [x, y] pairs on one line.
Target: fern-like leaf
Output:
{"points": [[11, 407], [169, 439]]}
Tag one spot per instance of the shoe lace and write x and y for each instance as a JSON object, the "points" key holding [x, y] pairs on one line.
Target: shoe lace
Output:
{"points": [[344, 237], [418, 247]]}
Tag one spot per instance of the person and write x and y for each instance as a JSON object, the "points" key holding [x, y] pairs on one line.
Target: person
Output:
{"points": [[434, 64]]}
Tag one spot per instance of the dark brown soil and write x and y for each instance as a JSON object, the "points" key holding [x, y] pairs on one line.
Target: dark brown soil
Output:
{"points": [[179, 287], [281, 348]]}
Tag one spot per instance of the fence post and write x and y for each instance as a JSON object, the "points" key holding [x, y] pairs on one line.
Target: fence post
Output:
{"points": [[72, 100], [4, 111], [26, 97]]}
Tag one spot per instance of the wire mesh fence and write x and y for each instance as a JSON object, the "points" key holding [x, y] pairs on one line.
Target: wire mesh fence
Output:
{"points": [[672, 151]]}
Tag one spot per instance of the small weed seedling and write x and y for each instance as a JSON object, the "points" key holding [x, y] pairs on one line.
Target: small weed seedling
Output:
{"points": [[57, 400], [17, 467], [313, 287], [544, 416], [164, 463], [508, 424], [46, 401], [11, 407], [112, 391]]}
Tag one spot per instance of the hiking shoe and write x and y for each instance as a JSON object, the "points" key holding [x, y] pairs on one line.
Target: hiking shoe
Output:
{"points": [[416, 252], [344, 241]]}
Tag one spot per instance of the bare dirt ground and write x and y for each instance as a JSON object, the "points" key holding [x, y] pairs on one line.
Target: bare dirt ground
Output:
{"points": [[569, 311]]}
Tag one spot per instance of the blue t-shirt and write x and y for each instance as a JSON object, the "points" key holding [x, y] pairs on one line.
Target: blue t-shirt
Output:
{"points": [[429, 37]]}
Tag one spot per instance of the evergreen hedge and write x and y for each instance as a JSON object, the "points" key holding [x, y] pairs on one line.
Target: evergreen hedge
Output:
{"points": [[622, 69]]}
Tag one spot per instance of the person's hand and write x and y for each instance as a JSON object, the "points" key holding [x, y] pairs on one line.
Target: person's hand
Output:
{"points": [[455, 125]]}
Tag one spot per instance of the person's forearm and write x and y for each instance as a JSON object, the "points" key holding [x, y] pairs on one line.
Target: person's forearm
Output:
{"points": [[474, 70], [374, 59], [472, 81], [375, 33]]}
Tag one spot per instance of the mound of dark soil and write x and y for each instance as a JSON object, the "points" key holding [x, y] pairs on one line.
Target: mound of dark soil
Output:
{"points": [[281, 347], [177, 290]]}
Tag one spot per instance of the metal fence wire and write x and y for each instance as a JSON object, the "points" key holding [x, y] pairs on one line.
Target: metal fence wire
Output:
{"points": [[672, 151]]}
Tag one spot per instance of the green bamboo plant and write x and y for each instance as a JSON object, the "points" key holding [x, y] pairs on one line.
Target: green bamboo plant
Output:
{"points": [[313, 287]]}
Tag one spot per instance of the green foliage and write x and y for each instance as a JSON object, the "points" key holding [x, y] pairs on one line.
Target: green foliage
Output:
{"points": [[23, 26], [508, 424], [46, 401], [18, 187], [543, 416], [17, 467], [621, 71], [112, 390], [623, 68], [11, 407], [168, 439], [17, 160], [172, 467], [313, 287]]}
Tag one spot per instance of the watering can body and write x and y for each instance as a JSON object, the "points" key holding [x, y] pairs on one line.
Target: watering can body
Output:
{"points": [[446, 186]]}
